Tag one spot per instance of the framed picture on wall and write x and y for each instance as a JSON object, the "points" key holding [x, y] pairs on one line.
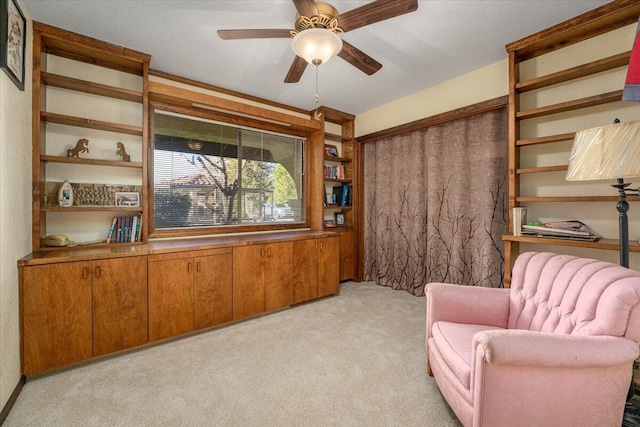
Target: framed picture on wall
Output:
{"points": [[127, 199], [13, 30], [330, 150]]}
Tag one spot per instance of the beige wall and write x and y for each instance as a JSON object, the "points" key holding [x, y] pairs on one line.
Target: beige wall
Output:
{"points": [[15, 213], [480, 85]]}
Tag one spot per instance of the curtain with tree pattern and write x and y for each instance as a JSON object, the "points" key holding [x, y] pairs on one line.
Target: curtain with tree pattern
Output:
{"points": [[436, 204]]}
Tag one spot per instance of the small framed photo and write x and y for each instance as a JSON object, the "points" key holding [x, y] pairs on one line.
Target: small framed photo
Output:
{"points": [[340, 220], [13, 32], [328, 223], [330, 150], [128, 199]]}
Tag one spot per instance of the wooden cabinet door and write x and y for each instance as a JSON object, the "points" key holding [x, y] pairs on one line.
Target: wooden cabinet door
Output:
{"points": [[119, 304], [278, 275], [347, 255], [305, 270], [56, 315], [170, 298], [328, 261], [248, 280], [212, 290]]}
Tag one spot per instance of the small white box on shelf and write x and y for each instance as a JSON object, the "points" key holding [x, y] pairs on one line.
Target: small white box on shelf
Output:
{"points": [[519, 218]]}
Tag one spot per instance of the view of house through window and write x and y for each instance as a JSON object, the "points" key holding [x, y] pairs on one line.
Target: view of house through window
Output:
{"points": [[208, 174]]}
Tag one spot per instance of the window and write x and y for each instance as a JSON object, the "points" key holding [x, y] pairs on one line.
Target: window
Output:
{"points": [[208, 174]]}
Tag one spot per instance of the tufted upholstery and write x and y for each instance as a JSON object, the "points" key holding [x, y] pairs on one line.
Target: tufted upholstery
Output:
{"points": [[562, 294], [555, 349]]}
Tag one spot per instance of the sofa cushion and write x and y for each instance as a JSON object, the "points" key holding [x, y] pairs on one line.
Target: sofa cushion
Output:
{"points": [[454, 343]]}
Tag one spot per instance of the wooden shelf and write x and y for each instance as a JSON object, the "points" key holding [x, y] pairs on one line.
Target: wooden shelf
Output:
{"points": [[575, 199], [338, 207], [90, 246], [91, 209], [541, 169], [345, 181], [338, 229], [546, 139], [93, 162], [85, 86], [334, 137], [337, 159], [577, 104], [599, 66], [90, 123], [608, 244]]}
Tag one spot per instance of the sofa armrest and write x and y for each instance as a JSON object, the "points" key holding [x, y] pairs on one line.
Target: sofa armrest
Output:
{"points": [[531, 348], [466, 304], [549, 379]]}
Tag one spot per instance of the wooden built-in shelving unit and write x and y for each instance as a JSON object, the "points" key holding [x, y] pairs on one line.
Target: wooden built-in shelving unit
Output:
{"points": [[595, 23], [347, 157], [52, 41]]}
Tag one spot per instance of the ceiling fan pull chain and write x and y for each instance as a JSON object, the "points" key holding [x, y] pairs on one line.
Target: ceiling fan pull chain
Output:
{"points": [[317, 98]]}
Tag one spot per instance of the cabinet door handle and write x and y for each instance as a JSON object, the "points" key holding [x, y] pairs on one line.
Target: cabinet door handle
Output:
{"points": [[98, 272], [198, 266], [85, 273], [321, 245], [189, 267], [269, 252], [316, 246], [262, 253]]}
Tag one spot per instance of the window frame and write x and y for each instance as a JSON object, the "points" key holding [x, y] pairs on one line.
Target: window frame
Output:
{"points": [[231, 120]]}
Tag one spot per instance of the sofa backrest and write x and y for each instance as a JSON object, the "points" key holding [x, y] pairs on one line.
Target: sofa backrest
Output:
{"points": [[564, 294]]}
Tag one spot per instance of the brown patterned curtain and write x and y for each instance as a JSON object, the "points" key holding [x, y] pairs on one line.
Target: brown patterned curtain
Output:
{"points": [[436, 204]]}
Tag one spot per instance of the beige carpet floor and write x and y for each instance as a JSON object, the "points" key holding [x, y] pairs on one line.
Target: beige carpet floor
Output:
{"points": [[356, 359]]}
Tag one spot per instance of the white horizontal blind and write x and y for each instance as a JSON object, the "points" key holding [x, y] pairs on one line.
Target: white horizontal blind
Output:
{"points": [[208, 174]]}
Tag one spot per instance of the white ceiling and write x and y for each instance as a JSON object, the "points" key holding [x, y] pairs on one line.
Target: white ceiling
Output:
{"points": [[441, 40]]}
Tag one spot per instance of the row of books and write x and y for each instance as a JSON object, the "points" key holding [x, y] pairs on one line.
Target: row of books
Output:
{"points": [[125, 229], [334, 172], [341, 195]]}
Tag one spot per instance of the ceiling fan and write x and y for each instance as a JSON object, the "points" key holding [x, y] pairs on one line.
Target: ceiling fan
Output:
{"points": [[314, 15]]}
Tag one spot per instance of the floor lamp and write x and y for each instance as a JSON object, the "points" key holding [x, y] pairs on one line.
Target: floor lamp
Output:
{"points": [[607, 153]]}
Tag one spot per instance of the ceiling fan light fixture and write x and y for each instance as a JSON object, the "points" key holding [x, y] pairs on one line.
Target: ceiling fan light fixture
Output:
{"points": [[316, 45]]}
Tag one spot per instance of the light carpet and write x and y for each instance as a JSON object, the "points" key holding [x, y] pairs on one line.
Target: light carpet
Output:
{"points": [[351, 360]]}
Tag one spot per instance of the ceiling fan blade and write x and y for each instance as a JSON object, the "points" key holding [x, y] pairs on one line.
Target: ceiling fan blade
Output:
{"points": [[254, 34], [295, 71], [359, 59], [306, 7], [373, 12]]}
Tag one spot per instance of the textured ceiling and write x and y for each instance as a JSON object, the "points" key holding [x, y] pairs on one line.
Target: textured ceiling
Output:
{"points": [[441, 40]]}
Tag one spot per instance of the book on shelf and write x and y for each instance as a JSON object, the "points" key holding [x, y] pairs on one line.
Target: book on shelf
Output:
{"points": [[334, 172], [343, 195], [125, 229], [519, 218]]}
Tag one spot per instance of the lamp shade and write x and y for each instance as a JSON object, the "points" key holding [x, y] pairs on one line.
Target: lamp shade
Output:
{"points": [[316, 45], [607, 152]]}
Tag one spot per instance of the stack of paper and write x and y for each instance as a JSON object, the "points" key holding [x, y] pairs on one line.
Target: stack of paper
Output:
{"points": [[572, 230]]}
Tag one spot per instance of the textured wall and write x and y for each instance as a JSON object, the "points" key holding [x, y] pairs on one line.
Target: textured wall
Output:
{"points": [[15, 212]]}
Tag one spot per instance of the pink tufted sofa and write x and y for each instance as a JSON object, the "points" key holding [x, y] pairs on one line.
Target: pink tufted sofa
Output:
{"points": [[556, 349]]}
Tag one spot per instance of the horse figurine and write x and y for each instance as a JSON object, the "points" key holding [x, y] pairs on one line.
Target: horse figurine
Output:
{"points": [[82, 146], [122, 152]]}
